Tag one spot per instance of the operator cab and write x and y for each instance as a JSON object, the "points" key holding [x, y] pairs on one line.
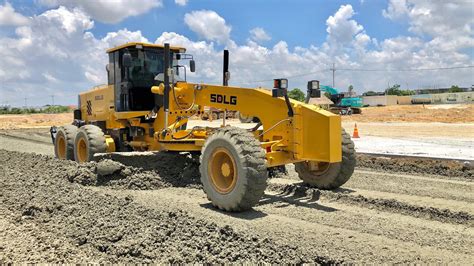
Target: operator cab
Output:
{"points": [[135, 67]]}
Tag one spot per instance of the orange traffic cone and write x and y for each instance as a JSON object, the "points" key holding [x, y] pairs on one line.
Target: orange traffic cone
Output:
{"points": [[356, 132]]}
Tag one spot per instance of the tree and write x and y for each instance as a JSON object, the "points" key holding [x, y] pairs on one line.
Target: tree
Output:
{"points": [[455, 88], [406, 93], [394, 90], [297, 94], [350, 89], [369, 93]]}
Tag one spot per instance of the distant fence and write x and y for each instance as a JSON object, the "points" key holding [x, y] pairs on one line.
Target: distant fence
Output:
{"points": [[440, 98]]}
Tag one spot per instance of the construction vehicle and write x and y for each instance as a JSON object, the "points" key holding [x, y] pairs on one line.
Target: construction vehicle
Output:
{"points": [[342, 105], [146, 106], [211, 113]]}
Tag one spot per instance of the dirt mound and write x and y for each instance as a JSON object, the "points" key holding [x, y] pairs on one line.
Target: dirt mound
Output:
{"points": [[461, 113], [173, 168], [416, 166], [51, 219], [298, 191], [152, 172]]}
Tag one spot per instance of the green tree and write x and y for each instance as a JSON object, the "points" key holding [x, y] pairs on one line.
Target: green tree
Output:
{"points": [[455, 88], [350, 89], [406, 92], [394, 90], [369, 93], [296, 94]]}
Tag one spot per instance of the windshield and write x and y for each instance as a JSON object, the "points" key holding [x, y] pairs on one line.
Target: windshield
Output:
{"points": [[146, 64]]}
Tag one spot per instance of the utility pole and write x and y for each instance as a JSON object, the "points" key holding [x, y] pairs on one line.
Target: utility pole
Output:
{"points": [[333, 69], [26, 102], [52, 99]]}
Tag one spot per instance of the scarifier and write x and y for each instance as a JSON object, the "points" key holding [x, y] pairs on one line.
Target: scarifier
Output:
{"points": [[146, 106]]}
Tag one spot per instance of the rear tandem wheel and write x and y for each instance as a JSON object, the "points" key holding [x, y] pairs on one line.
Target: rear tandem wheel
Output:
{"points": [[89, 140], [64, 142]]}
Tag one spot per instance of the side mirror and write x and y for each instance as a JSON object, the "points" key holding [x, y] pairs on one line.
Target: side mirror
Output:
{"points": [[192, 66], [127, 59], [107, 68]]}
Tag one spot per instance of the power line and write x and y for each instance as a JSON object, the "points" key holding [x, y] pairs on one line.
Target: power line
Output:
{"points": [[402, 70], [333, 69], [292, 76]]}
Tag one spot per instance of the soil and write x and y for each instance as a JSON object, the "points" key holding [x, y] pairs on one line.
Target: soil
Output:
{"points": [[34, 120], [423, 166], [68, 223], [457, 113], [150, 208]]}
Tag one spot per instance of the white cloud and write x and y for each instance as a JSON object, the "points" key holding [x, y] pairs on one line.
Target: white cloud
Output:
{"points": [[57, 54], [181, 2], [8, 16], [340, 28], [344, 33], [106, 10], [396, 9], [259, 35], [208, 25], [435, 18]]}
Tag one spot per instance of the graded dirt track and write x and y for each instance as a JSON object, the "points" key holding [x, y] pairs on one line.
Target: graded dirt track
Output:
{"points": [[150, 208]]}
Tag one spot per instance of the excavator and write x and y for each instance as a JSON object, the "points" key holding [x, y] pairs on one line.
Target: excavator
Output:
{"points": [[147, 104]]}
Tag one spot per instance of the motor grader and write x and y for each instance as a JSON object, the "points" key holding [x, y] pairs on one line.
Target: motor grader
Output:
{"points": [[146, 106]]}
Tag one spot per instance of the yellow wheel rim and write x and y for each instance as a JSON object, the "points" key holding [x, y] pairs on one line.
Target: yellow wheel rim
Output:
{"points": [[61, 147], [222, 170], [82, 150]]}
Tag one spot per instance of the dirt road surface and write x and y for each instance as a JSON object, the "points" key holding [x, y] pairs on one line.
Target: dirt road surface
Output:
{"points": [[152, 209]]}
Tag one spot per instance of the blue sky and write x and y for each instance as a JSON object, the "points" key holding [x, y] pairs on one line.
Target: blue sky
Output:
{"points": [[59, 45], [298, 22]]}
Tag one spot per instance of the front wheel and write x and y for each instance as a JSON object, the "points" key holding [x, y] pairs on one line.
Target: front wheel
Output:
{"points": [[233, 171], [329, 175]]}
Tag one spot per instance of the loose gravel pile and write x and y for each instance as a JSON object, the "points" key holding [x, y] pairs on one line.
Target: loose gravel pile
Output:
{"points": [[416, 166], [47, 216]]}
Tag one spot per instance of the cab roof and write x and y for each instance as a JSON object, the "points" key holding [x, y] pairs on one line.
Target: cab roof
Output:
{"points": [[133, 44]]}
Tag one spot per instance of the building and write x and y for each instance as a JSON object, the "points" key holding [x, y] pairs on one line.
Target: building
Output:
{"points": [[438, 90]]}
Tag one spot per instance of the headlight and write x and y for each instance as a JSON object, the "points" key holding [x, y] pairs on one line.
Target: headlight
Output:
{"points": [[314, 84], [280, 83]]}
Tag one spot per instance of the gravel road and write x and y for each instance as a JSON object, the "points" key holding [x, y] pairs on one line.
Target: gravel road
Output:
{"points": [[150, 208]]}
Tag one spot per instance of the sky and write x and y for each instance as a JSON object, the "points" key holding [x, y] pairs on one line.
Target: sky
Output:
{"points": [[54, 49]]}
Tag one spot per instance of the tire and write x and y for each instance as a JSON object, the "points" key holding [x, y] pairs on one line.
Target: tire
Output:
{"points": [[331, 175], [240, 185], [89, 140], [245, 119], [64, 142]]}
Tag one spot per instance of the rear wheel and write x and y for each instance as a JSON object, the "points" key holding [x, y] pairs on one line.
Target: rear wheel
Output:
{"points": [[64, 142], [233, 171], [329, 175], [89, 140], [245, 118]]}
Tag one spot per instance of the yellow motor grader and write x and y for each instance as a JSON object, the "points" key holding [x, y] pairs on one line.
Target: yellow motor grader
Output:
{"points": [[146, 106]]}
